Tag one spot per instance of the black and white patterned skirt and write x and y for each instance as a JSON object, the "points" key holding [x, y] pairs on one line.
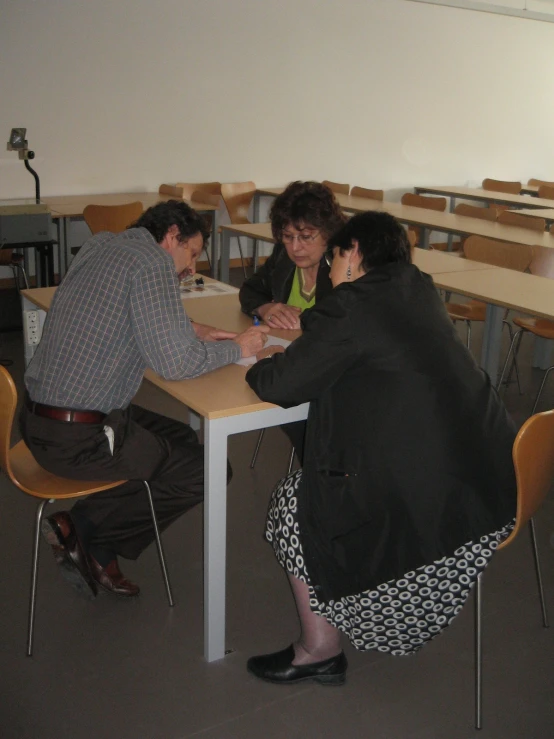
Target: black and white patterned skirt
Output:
{"points": [[399, 616]]}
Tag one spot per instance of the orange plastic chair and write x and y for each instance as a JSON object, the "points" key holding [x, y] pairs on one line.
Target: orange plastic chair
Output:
{"points": [[337, 187], [237, 197], [25, 473], [511, 218], [188, 188], [424, 201], [533, 455], [173, 190], [113, 218], [513, 188], [364, 192]]}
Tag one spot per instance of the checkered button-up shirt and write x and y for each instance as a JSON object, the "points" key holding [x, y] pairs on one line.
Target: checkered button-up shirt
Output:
{"points": [[117, 312]]}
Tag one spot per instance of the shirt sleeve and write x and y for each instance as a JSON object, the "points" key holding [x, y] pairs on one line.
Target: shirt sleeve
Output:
{"points": [[163, 332], [312, 363]]}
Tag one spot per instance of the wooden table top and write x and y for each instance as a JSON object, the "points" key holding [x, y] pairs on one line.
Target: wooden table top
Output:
{"points": [[477, 193], [547, 213], [505, 287], [68, 206], [216, 394], [436, 221]]}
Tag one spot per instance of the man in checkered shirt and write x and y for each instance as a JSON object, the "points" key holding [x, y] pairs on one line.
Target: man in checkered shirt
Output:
{"points": [[117, 312]]}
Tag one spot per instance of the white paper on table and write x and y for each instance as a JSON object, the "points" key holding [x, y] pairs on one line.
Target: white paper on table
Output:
{"points": [[271, 341]]}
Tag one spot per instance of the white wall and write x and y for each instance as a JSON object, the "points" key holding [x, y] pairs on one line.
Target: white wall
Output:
{"points": [[126, 94]]}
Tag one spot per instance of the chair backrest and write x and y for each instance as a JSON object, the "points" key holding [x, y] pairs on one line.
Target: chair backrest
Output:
{"points": [[498, 253], [8, 403], [423, 201], [542, 263], [363, 192], [533, 455], [509, 218], [237, 197], [337, 187], [205, 198], [173, 190], [545, 191], [213, 188], [114, 218], [476, 211], [514, 188], [538, 183]]}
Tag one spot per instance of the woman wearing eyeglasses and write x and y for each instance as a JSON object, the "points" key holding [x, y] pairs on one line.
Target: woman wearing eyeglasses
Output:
{"points": [[408, 483], [296, 275]]}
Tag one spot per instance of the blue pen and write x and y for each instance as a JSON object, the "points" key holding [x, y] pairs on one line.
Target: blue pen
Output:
{"points": [[256, 321]]}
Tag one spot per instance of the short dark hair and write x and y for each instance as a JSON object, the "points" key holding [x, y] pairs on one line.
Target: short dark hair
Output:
{"points": [[306, 203], [159, 218], [381, 239]]}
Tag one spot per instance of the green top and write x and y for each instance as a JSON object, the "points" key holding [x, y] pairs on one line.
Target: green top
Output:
{"points": [[298, 297]]}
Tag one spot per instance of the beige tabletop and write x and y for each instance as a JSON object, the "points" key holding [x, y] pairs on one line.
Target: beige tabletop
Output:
{"points": [[547, 213], [72, 206], [431, 219], [505, 287], [220, 393], [477, 193]]}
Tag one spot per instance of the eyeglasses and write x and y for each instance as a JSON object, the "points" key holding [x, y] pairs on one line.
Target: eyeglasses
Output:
{"points": [[329, 258], [304, 239]]}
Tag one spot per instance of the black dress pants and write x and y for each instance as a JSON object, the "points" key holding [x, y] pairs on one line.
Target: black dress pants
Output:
{"points": [[146, 446]]}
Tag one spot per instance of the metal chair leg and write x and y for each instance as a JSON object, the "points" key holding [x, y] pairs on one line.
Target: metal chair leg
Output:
{"points": [[257, 449], [291, 460], [515, 364], [159, 545], [510, 350], [241, 257], [34, 577], [548, 371], [478, 655], [468, 334], [538, 572]]}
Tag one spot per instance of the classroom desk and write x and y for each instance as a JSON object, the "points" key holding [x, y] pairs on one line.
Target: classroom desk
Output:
{"points": [[226, 405], [66, 207], [546, 213], [489, 196]]}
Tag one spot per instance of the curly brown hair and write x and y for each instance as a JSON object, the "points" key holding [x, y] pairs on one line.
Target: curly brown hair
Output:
{"points": [[304, 204]]}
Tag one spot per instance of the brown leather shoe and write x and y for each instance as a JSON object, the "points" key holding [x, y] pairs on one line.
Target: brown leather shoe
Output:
{"points": [[60, 533], [111, 578]]}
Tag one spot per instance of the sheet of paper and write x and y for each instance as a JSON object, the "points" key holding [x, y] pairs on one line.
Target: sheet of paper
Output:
{"points": [[271, 341], [191, 290]]}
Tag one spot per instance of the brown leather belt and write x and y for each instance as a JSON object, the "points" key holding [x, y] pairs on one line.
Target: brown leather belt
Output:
{"points": [[64, 414]]}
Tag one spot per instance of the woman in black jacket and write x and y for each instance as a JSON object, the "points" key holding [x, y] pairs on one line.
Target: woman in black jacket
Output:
{"points": [[408, 483], [295, 275]]}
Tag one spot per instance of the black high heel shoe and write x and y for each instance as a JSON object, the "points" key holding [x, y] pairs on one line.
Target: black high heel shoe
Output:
{"points": [[278, 668]]}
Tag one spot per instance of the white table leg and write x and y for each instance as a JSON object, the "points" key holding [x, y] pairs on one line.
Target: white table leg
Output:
{"points": [[215, 530], [490, 351], [225, 247]]}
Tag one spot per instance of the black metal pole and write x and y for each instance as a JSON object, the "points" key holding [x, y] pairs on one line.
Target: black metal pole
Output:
{"points": [[28, 167]]}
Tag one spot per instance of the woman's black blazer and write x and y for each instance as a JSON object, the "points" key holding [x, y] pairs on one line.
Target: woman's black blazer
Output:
{"points": [[408, 449], [273, 281]]}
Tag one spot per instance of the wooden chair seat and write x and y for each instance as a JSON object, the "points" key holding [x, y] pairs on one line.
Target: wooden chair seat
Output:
{"points": [[337, 187], [513, 188], [473, 310], [541, 327], [364, 192]]}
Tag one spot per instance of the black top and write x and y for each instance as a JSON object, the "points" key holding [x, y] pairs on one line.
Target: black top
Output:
{"points": [[273, 281], [408, 449]]}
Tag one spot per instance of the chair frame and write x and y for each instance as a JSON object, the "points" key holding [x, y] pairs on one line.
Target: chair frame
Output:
{"points": [[533, 484], [238, 196], [23, 471]]}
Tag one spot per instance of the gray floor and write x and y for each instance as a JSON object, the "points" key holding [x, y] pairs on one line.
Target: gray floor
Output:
{"points": [[112, 669]]}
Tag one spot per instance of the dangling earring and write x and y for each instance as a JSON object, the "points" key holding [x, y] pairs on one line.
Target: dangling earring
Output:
{"points": [[348, 273]]}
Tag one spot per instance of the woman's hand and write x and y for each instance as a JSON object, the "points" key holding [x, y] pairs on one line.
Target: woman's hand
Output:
{"points": [[280, 315], [210, 333], [269, 351]]}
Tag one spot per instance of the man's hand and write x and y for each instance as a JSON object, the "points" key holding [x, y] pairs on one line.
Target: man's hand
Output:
{"points": [[269, 351], [280, 315], [252, 340], [209, 333]]}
